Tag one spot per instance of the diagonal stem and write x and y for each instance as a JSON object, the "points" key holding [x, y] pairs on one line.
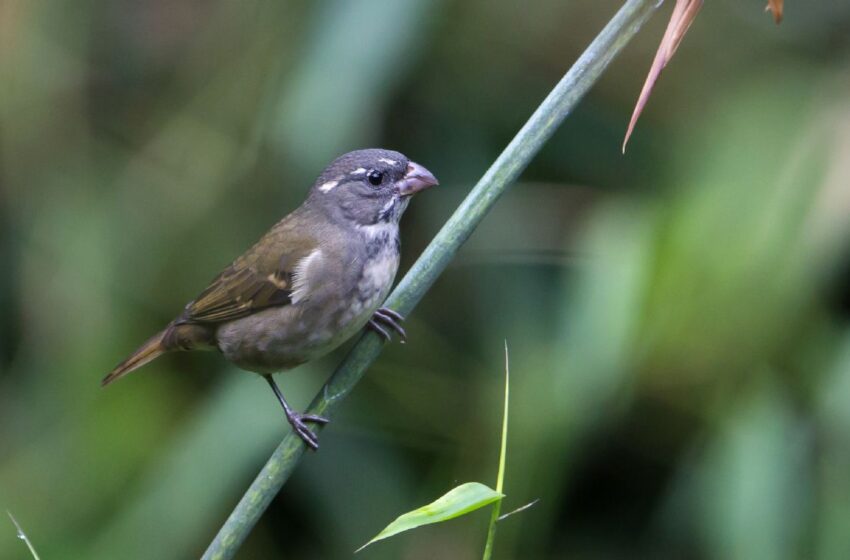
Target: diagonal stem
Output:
{"points": [[422, 275]]}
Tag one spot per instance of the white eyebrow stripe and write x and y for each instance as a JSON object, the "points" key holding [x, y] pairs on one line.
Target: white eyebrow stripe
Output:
{"points": [[358, 171], [328, 186], [388, 161]]}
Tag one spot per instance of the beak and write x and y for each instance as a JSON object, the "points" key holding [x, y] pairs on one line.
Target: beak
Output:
{"points": [[416, 179]]}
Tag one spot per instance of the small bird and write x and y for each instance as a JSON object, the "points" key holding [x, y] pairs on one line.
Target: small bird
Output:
{"points": [[310, 283]]}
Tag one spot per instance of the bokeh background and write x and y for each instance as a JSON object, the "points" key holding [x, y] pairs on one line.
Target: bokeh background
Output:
{"points": [[677, 317]]}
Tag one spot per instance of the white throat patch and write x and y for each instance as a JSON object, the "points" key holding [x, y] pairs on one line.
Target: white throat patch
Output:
{"points": [[386, 230]]}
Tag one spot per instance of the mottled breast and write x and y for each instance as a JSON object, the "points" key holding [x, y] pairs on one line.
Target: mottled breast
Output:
{"points": [[380, 264], [335, 296]]}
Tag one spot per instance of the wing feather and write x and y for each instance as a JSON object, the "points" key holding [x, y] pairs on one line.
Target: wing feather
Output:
{"points": [[259, 279]]}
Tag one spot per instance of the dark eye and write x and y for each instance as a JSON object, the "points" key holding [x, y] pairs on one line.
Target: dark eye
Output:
{"points": [[375, 177]]}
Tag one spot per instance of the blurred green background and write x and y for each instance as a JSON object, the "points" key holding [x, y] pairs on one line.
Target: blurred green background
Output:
{"points": [[677, 317]]}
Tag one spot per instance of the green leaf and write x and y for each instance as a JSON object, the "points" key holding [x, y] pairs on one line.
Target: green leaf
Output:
{"points": [[454, 503]]}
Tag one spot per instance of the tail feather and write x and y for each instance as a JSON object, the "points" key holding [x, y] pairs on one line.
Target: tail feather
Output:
{"points": [[147, 352]]}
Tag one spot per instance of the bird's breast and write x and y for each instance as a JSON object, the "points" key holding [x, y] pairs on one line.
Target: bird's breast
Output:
{"points": [[372, 287], [283, 337]]}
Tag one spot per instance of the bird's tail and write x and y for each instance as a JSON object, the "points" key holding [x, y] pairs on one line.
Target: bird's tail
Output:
{"points": [[147, 352]]}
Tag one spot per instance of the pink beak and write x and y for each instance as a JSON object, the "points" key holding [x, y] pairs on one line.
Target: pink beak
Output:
{"points": [[416, 179]]}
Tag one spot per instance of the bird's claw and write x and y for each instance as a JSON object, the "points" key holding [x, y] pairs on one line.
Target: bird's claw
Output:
{"points": [[298, 423], [314, 418], [385, 317]]}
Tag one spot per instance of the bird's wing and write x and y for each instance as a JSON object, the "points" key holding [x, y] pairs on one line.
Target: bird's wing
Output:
{"points": [[261, 278]]}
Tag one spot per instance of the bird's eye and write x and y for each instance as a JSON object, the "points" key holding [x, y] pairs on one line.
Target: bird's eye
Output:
{"points": [[375, 177]]}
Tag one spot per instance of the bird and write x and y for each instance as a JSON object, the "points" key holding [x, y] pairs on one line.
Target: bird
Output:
{"points": [[315, 279]]}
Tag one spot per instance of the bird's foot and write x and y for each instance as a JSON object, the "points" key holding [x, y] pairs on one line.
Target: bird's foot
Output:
{"points": [[299, 421], [385, 318], [296, 419]]}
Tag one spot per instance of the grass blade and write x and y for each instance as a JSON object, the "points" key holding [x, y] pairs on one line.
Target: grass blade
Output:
{"points": [[519, 509], [683, 16], [454, 503], [23, 536], [503, 452]]}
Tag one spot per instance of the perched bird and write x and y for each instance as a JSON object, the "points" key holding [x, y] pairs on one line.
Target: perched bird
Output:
{"points": [[310, 283]]}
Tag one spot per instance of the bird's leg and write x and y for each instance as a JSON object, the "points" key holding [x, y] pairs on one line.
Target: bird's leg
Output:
{"points": [[296, 419], [385, 317]]}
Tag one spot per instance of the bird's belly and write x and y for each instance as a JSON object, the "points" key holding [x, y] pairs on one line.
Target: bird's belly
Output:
{"points": [[281, 338]]}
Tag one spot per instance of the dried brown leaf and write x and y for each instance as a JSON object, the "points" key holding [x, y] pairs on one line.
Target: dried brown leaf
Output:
{"points": [[683, 16], [775, 6]]}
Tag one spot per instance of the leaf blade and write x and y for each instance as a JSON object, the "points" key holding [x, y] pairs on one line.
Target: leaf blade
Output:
{"points": [[775, 6], [454, 503], [684, 13]]}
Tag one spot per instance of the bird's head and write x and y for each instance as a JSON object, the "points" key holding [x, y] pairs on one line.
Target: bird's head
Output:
{"points": [[370, 186]]}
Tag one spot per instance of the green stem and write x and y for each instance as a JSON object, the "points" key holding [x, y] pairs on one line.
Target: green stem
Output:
{"points": [[503, 455], [422, 275]]}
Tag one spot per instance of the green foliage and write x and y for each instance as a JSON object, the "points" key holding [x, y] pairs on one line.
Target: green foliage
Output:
{"points": [[462, 499], [458, 501]]}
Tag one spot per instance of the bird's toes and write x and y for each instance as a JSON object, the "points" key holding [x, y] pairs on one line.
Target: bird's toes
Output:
{"points": [[391, 323], [314, 418], [306, 436], [373, 324], [297, 421], [401, 333], [391, 313]]}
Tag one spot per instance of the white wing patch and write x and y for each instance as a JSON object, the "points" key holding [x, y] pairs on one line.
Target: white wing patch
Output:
{"points": [[301, 276], [328, 186]]}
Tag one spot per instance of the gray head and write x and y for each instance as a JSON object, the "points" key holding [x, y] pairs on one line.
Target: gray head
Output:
{"points": [[370, 186]]}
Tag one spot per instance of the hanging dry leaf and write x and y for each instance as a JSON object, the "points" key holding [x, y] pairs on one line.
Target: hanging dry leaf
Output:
{"points": [[775, 6], [683, 15]]}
